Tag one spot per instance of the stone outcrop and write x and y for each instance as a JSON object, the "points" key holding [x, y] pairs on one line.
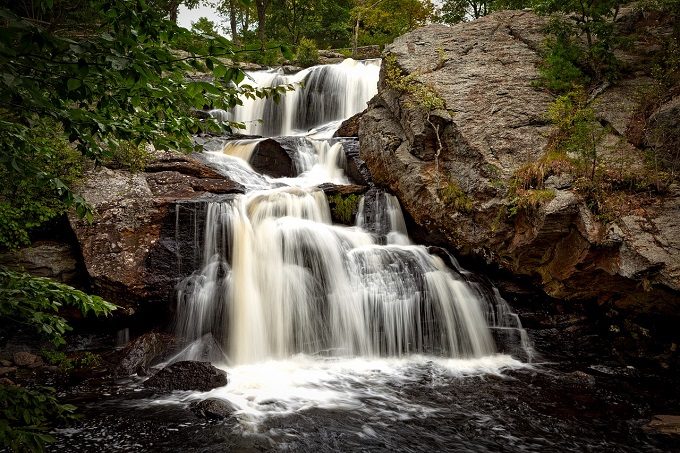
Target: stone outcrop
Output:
{"points": [[451, 168], [131, 248], [52, 259], [187, 375]]}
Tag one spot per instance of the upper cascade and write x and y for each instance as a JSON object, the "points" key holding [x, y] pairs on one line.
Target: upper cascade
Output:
{"points": [[324, 95]]}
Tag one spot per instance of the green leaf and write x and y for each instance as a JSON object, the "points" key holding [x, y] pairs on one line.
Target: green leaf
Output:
{"points": [[73, 84]]}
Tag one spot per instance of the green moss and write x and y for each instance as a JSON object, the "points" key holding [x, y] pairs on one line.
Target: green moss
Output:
{"points": [[455, 197], [530, 200], [344, 208], [420, 94]]}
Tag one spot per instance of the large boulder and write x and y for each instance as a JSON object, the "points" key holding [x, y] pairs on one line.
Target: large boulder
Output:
{"points": [[139, 354], [131, 250], [452, 167], [187, 375]]}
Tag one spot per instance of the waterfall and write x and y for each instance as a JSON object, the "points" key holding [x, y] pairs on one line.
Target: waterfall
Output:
{"points": [[325, 94], [278, 278]]}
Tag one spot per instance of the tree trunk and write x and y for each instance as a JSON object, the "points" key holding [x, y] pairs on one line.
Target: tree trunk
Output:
{"points": [[261, 18], [172, 10], [233, 22]]}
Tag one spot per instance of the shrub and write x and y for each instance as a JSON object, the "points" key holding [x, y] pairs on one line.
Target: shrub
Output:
{"points": [[344, 208], [307, 53]]}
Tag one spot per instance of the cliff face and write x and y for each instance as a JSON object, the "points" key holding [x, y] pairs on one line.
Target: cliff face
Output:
{"points": [[452, 168]]}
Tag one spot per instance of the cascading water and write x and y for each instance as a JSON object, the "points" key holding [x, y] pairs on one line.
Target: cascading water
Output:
{"points": [[282, 289], [325, 96]]}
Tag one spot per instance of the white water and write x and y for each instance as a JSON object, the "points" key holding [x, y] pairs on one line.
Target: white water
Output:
{"points": [[303, 313], [326, 94]]}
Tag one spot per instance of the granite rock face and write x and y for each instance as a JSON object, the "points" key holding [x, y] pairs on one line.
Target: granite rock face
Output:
{"points": [[451, 168], [131, 249]]}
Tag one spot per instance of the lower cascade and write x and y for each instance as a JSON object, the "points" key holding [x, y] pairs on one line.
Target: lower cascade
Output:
{"points": [[277, 278]]}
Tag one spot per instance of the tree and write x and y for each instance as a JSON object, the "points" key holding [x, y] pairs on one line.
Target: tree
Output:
{"points": [[383, 20], [204, 26], [594, 19], [455, 11], [171, 7]]}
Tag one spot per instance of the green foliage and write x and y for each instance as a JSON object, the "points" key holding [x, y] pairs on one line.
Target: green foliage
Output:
{"points": [[307, 53], [26, 414], [455, 197], [344, 208], [592, 20], [381, 22], [561, 66], [529, 200], [27, 202], [107, 85], [86, 360], [578, 131], [455, 11], [420, 94], [35, 302], [128, 155]]}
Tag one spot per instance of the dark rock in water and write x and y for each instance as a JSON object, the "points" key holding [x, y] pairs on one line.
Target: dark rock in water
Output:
{"points": [[350, 127], [290, 69], [355, 167], [188, 375], [274, 158], [27, 359], [141, 352], [665, 424], [212, 408], [200, 114]]}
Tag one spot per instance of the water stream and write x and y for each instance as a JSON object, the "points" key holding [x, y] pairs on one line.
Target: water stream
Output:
{"points": [[297, 308]]}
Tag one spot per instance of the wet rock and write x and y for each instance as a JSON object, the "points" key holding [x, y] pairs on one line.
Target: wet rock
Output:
{"points": [[6, 381], [665, 424], [580, 379], [212, 408], [274, 158], [345, 189], [350, 127], [141, 353], [187, 375], [7, 370], [290, 69], [27, 359]]}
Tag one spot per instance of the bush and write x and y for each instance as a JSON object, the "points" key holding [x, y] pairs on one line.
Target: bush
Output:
{"points": [[307, 53], [560, 69], [24, 414], [344, 208], [27, 203]]}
